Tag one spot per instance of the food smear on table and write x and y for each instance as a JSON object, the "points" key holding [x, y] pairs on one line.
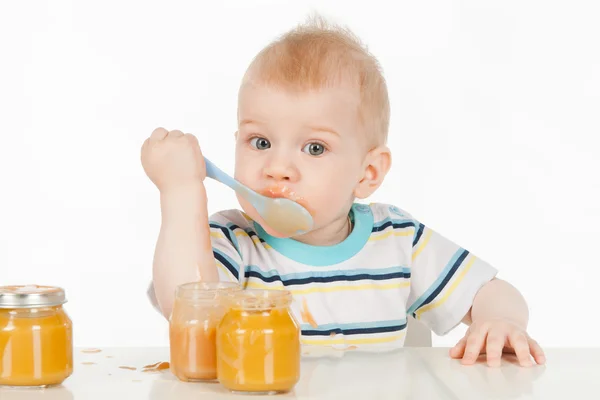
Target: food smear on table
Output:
{"points": [[156, 367], [88, 363], [91, 351], [126, 367]]}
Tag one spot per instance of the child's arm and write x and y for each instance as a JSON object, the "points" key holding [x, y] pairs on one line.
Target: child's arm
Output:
{"points": [[487, 306], [173, 161], [450, 284], [497, 320], [183, 251]]}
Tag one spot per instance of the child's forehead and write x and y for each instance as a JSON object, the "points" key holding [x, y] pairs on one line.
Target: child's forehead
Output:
{"points": [[282, 110], [255, 95]]}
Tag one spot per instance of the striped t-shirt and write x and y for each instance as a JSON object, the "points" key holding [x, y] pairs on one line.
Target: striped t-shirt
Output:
{"points": [[360, 291]]}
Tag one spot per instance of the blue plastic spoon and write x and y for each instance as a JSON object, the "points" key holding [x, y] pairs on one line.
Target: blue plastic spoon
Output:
{"points": [[285, 216]]}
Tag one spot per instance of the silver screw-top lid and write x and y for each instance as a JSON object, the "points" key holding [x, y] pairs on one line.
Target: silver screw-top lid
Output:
{"points": [[31, 296]]}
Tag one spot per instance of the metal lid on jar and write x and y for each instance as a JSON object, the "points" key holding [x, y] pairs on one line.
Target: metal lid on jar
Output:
{"points": [[31, 296]]}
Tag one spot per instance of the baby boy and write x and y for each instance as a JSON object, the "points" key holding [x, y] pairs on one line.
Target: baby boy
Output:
{"points": [[313, 116]]}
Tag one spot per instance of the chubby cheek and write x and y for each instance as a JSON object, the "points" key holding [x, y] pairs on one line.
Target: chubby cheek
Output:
{"points": [[246, 164], [248, 174], [328, 205], [328, 198], [242, 174]]}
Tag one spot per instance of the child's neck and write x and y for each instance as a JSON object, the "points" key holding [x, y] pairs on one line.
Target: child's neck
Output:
{"points": [[334, 233]]}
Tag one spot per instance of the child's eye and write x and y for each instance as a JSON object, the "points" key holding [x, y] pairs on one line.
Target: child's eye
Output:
{"points": [[314, 149], [260, 143]]}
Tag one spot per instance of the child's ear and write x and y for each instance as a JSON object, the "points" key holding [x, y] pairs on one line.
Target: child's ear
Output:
{"points": [[376, 166]]}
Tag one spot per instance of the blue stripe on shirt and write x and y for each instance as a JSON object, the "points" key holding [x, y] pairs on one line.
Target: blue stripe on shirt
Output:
{"points": [[229, 234], [328, 276], [227, 262], [441, 281], [418, 234], [394, 223], [354, 328], [249, 231]]}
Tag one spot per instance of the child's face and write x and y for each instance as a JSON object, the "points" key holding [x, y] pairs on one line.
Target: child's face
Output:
{"points": [[307, 146]]}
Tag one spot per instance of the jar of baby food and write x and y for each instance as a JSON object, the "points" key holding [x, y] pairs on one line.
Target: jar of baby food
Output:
{"points": [[36, 336], [192, 328], [258, 343]]}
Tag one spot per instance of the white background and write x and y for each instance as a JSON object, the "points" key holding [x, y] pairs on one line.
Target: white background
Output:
{"points": [[494, 130]]}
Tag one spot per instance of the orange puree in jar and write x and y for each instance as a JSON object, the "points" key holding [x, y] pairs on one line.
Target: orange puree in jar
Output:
{"points": [[193, 351], [192, 329], [36, 346], [258, 343]]}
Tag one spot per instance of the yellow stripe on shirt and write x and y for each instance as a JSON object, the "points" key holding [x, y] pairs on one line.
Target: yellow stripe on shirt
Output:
{"points": [[247, 218], [225, 270], [449, 291], [423, 244], [327, 289], [390, 233], [220, 235], [367, 340]]}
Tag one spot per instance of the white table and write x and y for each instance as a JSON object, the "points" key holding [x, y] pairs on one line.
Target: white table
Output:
{"points": [[411, 373]]}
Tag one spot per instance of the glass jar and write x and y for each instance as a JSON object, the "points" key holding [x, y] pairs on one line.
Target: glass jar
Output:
{"points": [[36, 336], [258, 343], [192, 328]]}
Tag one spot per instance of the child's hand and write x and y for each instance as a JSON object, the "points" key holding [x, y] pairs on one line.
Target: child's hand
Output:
{"points": [[172, 159], [492, 338]]}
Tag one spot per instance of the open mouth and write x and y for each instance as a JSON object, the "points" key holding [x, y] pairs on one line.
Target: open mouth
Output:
{"points": [[277, 192]]}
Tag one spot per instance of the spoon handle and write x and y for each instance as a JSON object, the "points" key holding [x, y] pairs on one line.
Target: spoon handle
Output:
{"points": [[212, 171]]}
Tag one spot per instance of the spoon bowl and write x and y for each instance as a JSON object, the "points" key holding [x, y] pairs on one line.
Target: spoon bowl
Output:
{"points": [[285, 216]]}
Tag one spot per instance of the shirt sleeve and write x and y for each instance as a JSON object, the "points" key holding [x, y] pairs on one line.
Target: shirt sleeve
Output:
{"points": [[444, 280], [226, 248]]}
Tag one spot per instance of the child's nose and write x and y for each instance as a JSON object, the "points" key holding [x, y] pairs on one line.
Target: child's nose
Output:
{"points": [[281, 170]]}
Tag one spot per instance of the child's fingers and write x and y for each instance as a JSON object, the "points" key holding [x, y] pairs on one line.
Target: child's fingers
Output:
{"points": [[494, 345], [158, 134], [519, 343], [175, 134], [536, 351], [192, 139], [144, 145], [459, 348], [474, 346]]}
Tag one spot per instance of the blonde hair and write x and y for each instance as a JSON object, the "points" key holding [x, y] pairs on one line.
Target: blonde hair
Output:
{"points": [[318, 54]]}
